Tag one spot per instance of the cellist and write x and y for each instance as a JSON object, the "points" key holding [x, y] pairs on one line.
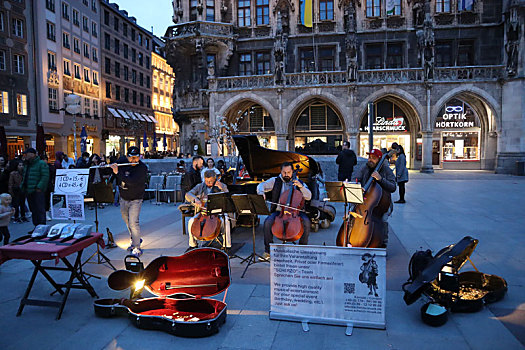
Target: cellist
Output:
{"points": [[198, 196], [384, 178], [278, 185]]}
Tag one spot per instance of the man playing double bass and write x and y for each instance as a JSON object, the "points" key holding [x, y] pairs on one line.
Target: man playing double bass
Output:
{"points": [[384, 178], [278, 185], [199, 196]]}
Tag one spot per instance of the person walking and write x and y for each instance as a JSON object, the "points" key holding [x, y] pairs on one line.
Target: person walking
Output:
{"points": [[34, 185], [131, 180], [401, 172], [18, 197], [346, 160]]}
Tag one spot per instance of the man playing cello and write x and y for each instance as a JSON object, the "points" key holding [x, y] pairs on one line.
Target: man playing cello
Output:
{"points": [[198, 196], [278, 185]]}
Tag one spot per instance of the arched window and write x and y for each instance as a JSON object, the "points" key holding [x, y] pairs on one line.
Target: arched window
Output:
{"points": [[255, 119]]}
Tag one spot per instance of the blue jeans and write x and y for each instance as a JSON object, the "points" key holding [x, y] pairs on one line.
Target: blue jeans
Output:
{"points": [[130, 211], [37, 205], [268, 236]]}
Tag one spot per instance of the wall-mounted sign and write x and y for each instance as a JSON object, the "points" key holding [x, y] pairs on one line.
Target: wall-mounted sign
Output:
{"points": [[456, 114], [382, 124]]}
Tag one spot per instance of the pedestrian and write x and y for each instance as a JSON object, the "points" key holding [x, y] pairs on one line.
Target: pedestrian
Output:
{"points": [[83, 162], [66, 161], [34, 184], [4, 174], [346, 160], [50, 185], [5, 215], [132, 183], [193, 176], [59, 158], [401, 173], [210, 166], [18, 197]]}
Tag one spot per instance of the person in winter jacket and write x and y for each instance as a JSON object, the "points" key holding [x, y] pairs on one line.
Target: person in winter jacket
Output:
{"points": [[346, 160], [401, 171], [34, 184]]}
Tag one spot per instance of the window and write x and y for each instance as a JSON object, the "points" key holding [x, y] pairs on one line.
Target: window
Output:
{"points": [[245, 65], [147, 43], [65, 11], [76, 45], [117, 46], [94, 5], [87, 106], [148, 101], [147, 62], [106, 17], [86, 50], [95, 109], [117, 92], [133, 55], [108, 89], [373, 8], [65, 40], [21, 104], [125, 50], [243, 13], [210, 10], [307, 60], [327, 59], [107, 65], [442, 6], [140, 39], [52, 98], [394, 55], [393, 8], [2, 60], [94, 31], [18, 27], [50, 5], [141, 58], [18, 62], [155, 80], [94, 54], [141, 79], [443, 53], [85, 24], [141, 99], [125, 29], [117, 69], [67, 68], [374, 56], [87, 75], [465, 53], [1, 21], [51, 60], [263, 12], [76, 16], [115, 23], [4, 102], [76, 67], [95, 78], [85, 2], [133, 76], [107, 41], [193, 10], [126, 73], [148, 83], [51, 31], [326, 10], [126, 95], [155, 103], [134, 97], [133, 34], [262, 61]]}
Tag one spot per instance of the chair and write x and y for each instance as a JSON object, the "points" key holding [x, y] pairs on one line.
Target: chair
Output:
{"points": [[155, 184], [171, 187]]}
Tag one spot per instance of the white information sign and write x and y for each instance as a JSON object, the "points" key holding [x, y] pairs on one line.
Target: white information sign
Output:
{"points": [[71, 181], [329, 285], [67, 207]]}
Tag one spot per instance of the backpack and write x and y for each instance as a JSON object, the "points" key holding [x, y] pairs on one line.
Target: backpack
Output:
{"points": [[419, 261]]}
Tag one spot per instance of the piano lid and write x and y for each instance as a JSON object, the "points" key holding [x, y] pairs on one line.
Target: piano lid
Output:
{"points": [[264, 163]]}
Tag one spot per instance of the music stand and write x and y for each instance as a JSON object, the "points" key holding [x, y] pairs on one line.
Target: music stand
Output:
{"points": [[102, 193], [221, 203], [250, 204]]}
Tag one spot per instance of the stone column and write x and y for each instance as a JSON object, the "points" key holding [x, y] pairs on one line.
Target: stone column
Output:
{"points": [[426, 159], [353, 135], [281, 142]]}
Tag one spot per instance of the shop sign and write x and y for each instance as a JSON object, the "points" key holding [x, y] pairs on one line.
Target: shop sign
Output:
{"points": [[455, 117], [387, 124]]}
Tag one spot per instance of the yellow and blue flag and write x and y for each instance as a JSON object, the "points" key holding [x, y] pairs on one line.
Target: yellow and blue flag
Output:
{"points": [[306, 13]]}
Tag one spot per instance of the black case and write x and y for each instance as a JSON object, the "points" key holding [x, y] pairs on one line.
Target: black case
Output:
{"points": [[442, 282], [180, 284]]}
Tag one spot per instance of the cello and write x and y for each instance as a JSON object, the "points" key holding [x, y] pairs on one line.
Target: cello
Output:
{"points": [[205, 226], [288, 225], [362, 225]]}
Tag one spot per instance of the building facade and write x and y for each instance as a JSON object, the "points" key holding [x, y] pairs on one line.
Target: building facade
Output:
{"points": [[17, 104], [163, 82], [445, 77], [67, 61], [126, 79]]}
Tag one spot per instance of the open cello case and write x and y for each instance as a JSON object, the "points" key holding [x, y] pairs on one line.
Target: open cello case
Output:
{"points": [[440, 281], [181, 285]]}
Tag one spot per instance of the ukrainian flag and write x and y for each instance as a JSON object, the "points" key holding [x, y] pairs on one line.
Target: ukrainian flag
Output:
{"points": [[306, 13]]}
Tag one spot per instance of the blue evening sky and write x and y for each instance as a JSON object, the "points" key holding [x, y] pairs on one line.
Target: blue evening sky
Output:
{"points": [[156, 13]]}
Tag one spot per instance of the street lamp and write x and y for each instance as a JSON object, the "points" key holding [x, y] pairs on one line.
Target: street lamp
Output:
{"points": [[73, 107]]}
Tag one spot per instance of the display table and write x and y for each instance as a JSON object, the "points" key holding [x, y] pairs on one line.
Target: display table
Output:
{"points": [[37, 252]]}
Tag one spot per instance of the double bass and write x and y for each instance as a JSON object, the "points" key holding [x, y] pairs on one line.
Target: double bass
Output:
{"points": [[288, 225], [363, 225]]}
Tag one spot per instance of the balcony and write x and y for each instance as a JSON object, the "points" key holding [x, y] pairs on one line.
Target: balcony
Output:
{"points": [[469, 73], [197, 28]]}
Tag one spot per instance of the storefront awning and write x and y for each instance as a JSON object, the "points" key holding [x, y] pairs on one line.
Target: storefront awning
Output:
{"points": [[145, 116], [131, 115], [113, 112], [153, 118], [123, 113], [139, 117]]}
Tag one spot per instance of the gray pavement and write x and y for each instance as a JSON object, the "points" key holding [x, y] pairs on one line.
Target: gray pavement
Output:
{"points": [[441, 208]]}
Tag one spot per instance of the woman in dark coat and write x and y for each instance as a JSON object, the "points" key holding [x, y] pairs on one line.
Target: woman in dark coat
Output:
{"points": [[401, 173]]}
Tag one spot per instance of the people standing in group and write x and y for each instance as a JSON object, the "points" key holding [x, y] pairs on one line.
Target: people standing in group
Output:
{"points": [[67, 162], [5, 216], [346, 160], [83, 162], [210, 165], [193, 176], [15, 190], [132, 184], [276, 186], [401, 171], [34, 185], [59, 158]]}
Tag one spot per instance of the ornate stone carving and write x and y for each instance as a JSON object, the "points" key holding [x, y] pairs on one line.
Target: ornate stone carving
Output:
{"points": [[425, 44], [418, 11], [513, 38], [351, 41], [279, 50], [395, 21]]}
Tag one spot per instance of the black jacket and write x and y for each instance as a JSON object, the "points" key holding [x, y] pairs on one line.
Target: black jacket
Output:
{"points": [[346, 160], [132, 180], [388, 179], [191, 179]]}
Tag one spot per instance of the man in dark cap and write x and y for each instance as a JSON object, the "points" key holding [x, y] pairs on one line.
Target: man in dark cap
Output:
{"points": [[131, 180], [34, 184]]}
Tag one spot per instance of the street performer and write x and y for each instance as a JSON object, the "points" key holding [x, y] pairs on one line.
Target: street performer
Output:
{"points": [[384, 178], [278, 185], [198, 196]]}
